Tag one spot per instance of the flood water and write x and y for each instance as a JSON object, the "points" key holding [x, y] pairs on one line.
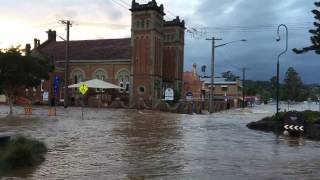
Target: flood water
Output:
{"points": [[131, 144]]}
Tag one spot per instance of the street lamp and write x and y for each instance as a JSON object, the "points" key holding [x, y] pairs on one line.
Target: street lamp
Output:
{"points": [[211, 95], [283, 52]]}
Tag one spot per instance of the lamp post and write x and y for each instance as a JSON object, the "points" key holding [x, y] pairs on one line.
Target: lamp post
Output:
{"points": [[211, 94], [278, 65]]}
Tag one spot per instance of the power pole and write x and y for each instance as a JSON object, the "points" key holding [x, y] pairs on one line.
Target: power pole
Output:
{"points": [[211, 95], [67, 61], [243, 87]]}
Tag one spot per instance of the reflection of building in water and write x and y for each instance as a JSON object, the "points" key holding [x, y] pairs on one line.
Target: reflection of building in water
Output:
{"points": [[144, 65], [153, 145]]}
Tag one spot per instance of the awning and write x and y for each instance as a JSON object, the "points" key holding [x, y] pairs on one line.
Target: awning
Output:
{"points": [[96, 83]]}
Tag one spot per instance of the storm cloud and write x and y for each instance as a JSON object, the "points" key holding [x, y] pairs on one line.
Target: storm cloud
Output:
{"points": [[259, 53], [254, 20]]}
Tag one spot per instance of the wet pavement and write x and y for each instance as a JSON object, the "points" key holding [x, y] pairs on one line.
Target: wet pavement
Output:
{"points": [[131, 144]]}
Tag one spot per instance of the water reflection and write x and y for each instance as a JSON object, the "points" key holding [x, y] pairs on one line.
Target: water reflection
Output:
{"points": [[152, 146], [292, 141]]}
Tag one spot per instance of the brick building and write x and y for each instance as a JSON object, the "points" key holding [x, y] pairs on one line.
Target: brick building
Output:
{"points": [[145, 64]]}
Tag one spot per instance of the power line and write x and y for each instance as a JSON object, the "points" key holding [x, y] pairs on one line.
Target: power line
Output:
{"points": [[121, 4]]}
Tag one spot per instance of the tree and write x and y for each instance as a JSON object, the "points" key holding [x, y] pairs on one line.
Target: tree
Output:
{"points": [[18, 72], [315, 38], [293, 84], [229, 76]]}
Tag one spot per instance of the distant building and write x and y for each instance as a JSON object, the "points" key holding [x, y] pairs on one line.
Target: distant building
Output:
{"points": [[193, 84], [229, 92], [145, 64]]}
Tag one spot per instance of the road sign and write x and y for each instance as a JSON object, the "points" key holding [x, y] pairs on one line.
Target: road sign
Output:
{"points": [[293, 122], [189, 96], [45, 96], [169, 94], [83, 89]]}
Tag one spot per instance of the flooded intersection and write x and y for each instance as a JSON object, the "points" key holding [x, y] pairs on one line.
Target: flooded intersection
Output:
{"points": [[130, 144]]}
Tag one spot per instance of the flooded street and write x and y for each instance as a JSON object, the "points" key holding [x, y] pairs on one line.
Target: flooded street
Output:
{"points": [[130, 144]]}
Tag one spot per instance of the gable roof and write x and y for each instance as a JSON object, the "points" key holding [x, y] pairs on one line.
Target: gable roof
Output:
{"points": [[102, 49]]}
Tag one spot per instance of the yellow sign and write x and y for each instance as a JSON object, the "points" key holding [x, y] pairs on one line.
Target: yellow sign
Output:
{"points": [[83, 89]]}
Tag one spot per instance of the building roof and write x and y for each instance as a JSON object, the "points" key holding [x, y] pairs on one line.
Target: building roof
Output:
{"points": [[218, 81], [102, 49]]}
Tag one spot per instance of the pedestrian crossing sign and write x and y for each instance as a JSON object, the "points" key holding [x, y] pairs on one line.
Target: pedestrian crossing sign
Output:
{"points": [[83, 89]]}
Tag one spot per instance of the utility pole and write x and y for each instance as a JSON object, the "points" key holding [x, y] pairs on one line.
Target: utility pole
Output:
{"points": [[243, 87], [67, 61], [211, 95]]}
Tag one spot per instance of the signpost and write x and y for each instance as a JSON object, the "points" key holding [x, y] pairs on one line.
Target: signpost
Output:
{"points": [[169, 94], [83, 90]]}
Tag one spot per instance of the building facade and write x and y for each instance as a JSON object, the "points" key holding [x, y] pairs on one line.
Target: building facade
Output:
{"points": [[144, 65]]}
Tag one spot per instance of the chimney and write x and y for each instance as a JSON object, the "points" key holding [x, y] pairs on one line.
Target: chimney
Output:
{"points": [[52, 35], [28, 49], [194, 69], [38, 43], [35, 44]]}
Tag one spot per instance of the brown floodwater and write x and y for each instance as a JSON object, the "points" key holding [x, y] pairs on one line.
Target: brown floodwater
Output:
{"points": [[131, 144]]}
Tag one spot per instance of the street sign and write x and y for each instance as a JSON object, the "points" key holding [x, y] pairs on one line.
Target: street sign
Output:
{"points": [[169, 94], [45, 96], [189, 96], [293, 122], [83, 89]]}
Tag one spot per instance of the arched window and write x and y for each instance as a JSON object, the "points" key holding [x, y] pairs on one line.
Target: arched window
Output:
{"points": [[78, 76], [100, 74], [123, 78]]}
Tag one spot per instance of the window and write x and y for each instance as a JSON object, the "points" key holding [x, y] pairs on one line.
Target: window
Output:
{"points": [[100, 74], [141, 89], [142, 24], [225, 89], [78, 76], [123, 78], [138, 24]]}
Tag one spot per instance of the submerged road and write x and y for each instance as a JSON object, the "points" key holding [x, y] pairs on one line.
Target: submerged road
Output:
{"points": [[130, 144]]}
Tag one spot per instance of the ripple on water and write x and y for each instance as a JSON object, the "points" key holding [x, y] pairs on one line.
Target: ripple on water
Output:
{"points": [[126, 144]]}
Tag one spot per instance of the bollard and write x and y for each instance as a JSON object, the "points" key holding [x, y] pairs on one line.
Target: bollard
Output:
{"points": [[52, 111], [28, 110]]}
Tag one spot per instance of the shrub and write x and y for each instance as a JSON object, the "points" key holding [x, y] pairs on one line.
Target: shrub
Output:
{"points": [[22, 152]]}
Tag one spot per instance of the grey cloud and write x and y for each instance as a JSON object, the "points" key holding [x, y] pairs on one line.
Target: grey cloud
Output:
{"points": [[261, 50]]}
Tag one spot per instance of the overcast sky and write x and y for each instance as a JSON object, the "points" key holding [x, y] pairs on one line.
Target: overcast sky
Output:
{"points": [[254, 20]]}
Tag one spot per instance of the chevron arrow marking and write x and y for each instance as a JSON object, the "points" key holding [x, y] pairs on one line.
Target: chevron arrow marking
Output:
{"points": [[286, 126], [297, 128], [301, 128], [291, 127]]}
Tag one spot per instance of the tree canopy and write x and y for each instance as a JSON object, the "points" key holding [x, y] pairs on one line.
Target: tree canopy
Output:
{"points": [[18, 72], [315, 38], [229, 76], [293, 84]]}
